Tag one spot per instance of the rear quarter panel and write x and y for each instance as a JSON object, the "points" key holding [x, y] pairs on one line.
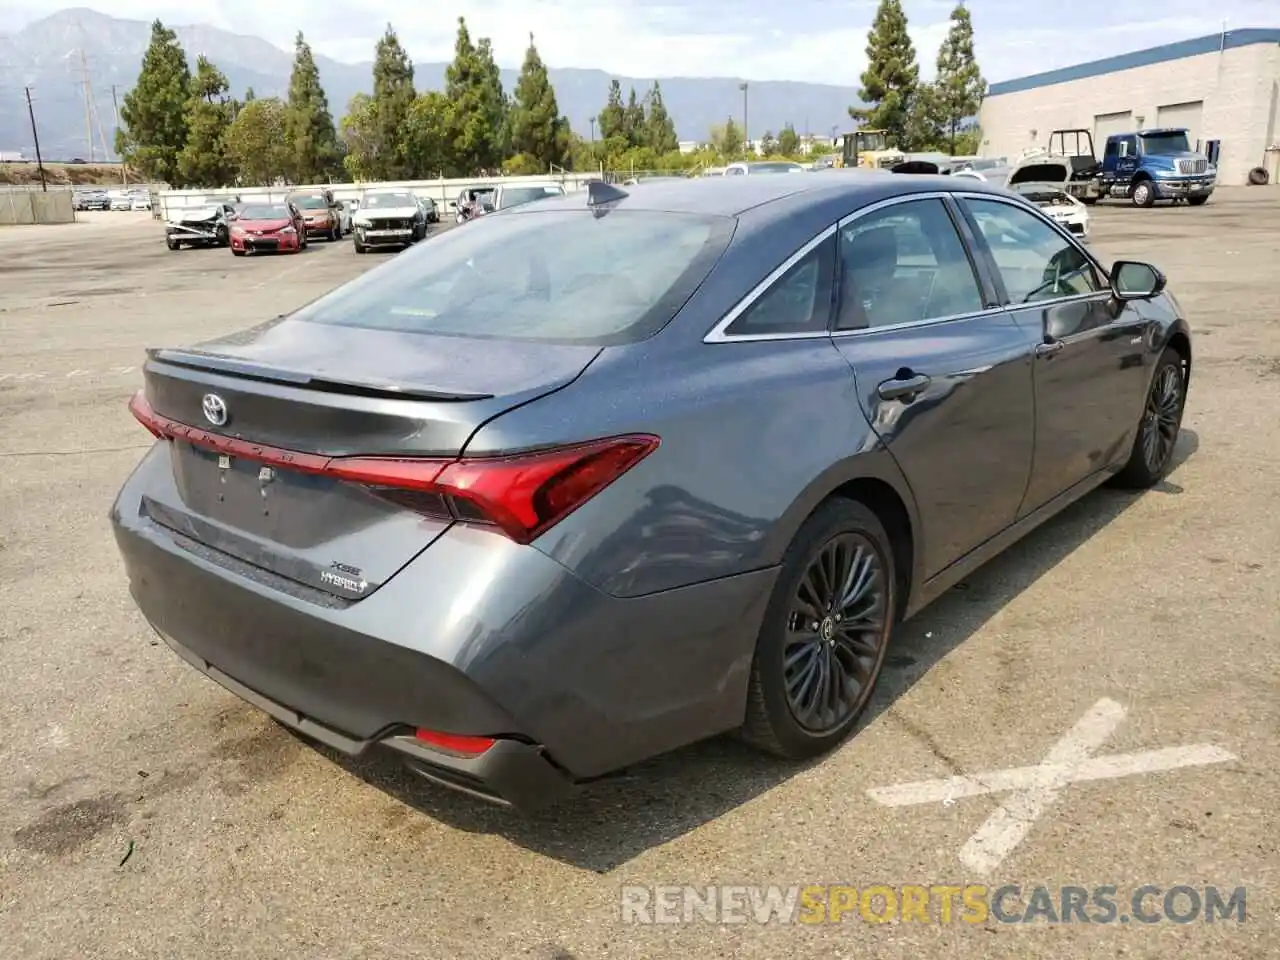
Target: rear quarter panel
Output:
{"points": [[754, 435]]}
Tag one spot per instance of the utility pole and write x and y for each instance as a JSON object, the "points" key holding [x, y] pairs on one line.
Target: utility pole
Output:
{"points": [[115, 105], [36, 137], [88, 103], [746, 128]]}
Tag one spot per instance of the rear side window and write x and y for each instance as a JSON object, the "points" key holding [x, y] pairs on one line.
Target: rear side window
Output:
{"points": [[797, 302], [563, 276], [904, 264]]}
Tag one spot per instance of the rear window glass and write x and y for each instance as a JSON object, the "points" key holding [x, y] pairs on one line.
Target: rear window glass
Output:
{"points": [[312, 203], [563, 276], [515, 196]]}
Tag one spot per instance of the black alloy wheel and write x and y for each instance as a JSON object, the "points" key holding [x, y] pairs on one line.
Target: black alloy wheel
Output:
{"points": [[825, 634], [1162, 418], [835, 633], [1161, 422]]}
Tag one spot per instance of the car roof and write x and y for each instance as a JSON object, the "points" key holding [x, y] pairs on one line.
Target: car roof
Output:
{"points": [[732, 196]]}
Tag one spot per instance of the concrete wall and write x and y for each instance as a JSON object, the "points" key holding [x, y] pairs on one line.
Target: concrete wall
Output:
{"points": [[1235, 86], [22, 206], [443, 192]]}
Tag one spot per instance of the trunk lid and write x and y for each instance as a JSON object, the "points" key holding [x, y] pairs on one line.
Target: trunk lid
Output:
{"points": [[326, 391]]}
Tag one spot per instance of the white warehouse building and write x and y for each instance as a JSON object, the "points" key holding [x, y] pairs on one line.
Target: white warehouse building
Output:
{"points": [[1222, 87]]}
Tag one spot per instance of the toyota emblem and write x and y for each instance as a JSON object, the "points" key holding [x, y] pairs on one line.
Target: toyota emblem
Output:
{"points": [[215, 409]]}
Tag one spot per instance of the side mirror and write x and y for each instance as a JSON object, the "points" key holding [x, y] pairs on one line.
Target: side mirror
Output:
{"points": [[1134, 280]]}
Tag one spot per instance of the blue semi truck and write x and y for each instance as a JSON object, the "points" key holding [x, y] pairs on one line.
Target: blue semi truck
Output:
{"points": [[1143, 166]]}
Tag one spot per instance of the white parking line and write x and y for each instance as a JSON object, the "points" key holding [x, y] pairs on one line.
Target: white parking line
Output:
{"points": [[1035, 788]]}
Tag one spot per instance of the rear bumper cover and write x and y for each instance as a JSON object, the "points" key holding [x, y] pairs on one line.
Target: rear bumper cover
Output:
{"points": [[476, 636], [510, 773]]}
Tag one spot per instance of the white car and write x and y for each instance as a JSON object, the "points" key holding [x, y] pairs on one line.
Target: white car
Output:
{"points": [[388, 218], [1043, 180], [741, 169], [120, 200], [140, 201], [346, 210], [510, 195]]}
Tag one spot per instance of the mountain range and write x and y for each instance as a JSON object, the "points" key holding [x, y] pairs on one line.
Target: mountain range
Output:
{"points": [[55, 55]]}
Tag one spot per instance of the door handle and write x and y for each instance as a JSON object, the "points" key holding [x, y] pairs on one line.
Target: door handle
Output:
{"points": [[1050, 348], [903, 388]]}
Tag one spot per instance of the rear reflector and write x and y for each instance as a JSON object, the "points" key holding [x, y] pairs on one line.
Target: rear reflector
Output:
{"points": [[522, 495], [455, 743]]}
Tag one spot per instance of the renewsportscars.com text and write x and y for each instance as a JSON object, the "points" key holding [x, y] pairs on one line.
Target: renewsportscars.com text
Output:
{"points": [[935, 903]]}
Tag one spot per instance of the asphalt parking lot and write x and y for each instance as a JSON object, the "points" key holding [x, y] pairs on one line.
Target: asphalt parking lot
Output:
{"points": [[146, 812]]}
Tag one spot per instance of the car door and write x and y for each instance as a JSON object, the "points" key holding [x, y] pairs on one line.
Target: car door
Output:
{"points": [[1088, 394], [943, 373]]}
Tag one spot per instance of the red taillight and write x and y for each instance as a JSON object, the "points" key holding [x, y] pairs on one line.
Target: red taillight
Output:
{"points": [[523, 495], [143, 413], [455, 743]]}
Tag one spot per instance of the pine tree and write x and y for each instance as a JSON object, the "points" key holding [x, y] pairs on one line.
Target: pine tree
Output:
{"points": [[494, 105], [393, 97], [537, 129], [309, 131], [613, 117], [960, 87], [153, 117], [727, 140], [633, 121], [660, 131], [250, 96], [892, 74], [478, 124], [256, 143], [361, 139], [789, 141], [203, 161]]}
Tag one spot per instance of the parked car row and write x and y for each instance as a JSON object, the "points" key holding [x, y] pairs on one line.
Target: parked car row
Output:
{"points": [[135, 198]]}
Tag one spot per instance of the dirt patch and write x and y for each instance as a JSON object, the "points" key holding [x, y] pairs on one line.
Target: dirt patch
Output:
{"points": [[66, 828]]}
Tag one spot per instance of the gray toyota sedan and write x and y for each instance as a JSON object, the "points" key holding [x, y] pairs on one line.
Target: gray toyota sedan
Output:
{"points": [[607, 474]]}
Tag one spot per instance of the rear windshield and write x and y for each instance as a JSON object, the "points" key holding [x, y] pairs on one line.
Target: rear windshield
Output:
{"points": [[563, 276], [312, 203]]}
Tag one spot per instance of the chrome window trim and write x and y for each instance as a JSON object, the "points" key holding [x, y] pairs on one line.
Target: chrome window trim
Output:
{"points": [[909, 324], [717, 333]]}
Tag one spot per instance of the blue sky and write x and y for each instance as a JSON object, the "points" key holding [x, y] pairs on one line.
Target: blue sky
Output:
{"points": [[816, 40]]}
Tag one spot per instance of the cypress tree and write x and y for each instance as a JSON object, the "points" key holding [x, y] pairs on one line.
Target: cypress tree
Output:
{"points": [[153, 116], [478, 125], [393, 97], [633, 121], [892, 74], [613, 117], [537, 129], [203, 162], [309, 131], [959, 88], [660, 131]]}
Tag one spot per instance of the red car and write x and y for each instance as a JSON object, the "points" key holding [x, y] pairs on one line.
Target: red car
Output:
{"points": [[274, 227]]}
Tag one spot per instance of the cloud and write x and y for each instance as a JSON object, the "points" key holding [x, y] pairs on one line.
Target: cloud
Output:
{"points": [[814, 40]]}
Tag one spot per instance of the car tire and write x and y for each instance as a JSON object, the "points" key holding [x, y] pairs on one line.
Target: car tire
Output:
{"points": [[780, 718], [1143, 194], [1197, 201], [237, 253], [172, 244], [1088, 201], [360, 247], [1159, 426]]}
